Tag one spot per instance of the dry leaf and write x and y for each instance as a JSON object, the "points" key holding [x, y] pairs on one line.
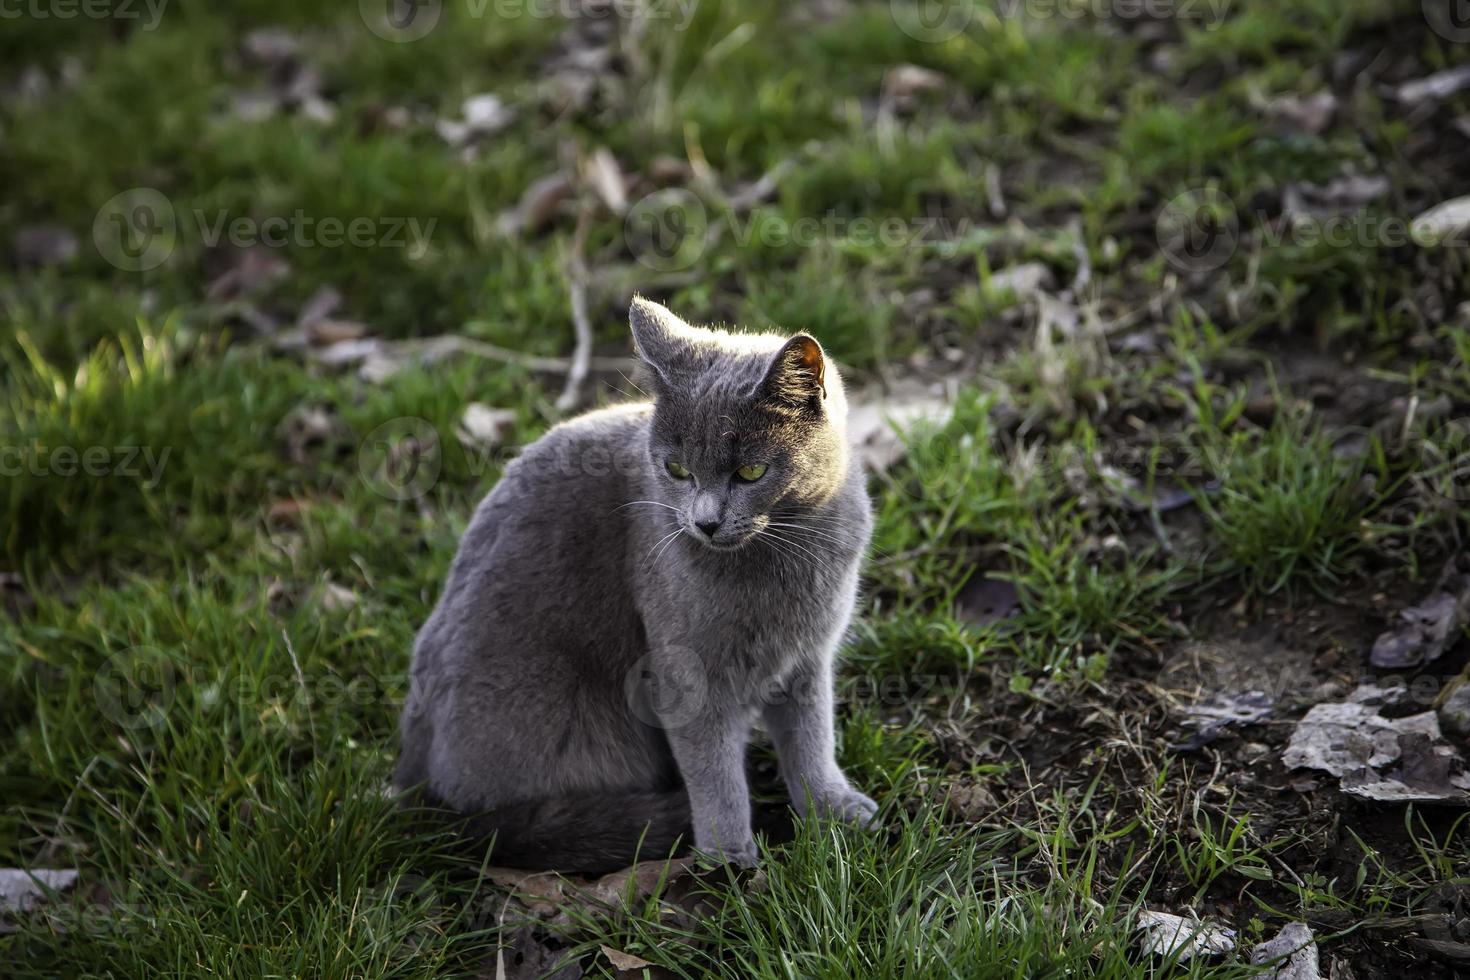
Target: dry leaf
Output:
{"points": [[876, 428], [483, 115], [904, 83], [1445, 223], [285, 513], [1296, 950], [1353, 741], [321, 304], [483, 427], [602, 172], [537, 204], [326, 332], [549, 895], [308, 430], [1303, 113], [23, 891], [624, 961], [1022, 281], [337, 598], [250, 271], [1211, 716], [487, 113], [1337, 197], [669, 170], [1175, 935], [1424, 631], [1440, 85]]}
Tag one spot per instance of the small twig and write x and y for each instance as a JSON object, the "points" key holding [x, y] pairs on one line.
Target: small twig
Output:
{"points": [[301, 682], [434, 348], [763, 188], [995, 197], [53, 839], [581, 322], [1136, 316], [1084, 261]]}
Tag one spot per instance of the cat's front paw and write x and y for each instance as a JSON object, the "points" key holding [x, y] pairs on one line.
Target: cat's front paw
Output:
{"points": [[847, 804], [742, 856]]}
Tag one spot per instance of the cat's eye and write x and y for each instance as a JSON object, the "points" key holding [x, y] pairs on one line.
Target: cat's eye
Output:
{"points": [[751, 473], [676, 470]]}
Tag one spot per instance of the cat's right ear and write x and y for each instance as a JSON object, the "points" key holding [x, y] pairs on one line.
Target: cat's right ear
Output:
{"points": [[663, 341]]}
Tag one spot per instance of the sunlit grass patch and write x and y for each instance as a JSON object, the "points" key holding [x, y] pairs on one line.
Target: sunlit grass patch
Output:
{"points": [[1290, 512], [148, 442]]}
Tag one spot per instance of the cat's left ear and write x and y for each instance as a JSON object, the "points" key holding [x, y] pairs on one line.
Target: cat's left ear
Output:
{"points": [[663, 341], [797, 377]]}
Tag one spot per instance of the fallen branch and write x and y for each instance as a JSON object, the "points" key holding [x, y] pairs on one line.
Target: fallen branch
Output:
{"points": [[427, 350], [581, 322]]}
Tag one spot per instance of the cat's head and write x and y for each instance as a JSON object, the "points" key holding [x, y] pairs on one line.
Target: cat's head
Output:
{"points": [[749, 430]]}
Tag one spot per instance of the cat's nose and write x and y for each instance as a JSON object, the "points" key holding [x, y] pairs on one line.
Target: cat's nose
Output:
{"points": [[708, 527]]}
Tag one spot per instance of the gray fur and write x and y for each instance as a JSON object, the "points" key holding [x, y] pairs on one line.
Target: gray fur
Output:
{"points": [[596, 656]]}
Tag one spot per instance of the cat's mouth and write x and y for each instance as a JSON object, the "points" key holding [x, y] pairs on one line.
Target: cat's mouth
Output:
{"points": [[722, 541], [725, 545]]}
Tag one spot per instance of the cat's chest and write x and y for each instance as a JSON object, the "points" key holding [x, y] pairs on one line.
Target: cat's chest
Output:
{"points": [[760, 619]]}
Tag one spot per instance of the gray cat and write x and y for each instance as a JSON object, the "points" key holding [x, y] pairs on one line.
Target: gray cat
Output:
{"points": [[643, 584]]}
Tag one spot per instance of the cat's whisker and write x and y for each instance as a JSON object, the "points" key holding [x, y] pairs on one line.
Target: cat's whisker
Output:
{"points": [[656, 503], [829, 520], [677, 530], [817, 561], [809, 530], [797, 515], [815, 535], [634, 384], [669, 543], [834, 524], [778, 546]]}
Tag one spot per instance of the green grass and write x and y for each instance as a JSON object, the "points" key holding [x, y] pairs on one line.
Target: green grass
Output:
{"points": [[199, 700]]}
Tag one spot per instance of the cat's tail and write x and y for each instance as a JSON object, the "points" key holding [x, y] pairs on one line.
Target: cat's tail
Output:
{"points": [[590, 834]]}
